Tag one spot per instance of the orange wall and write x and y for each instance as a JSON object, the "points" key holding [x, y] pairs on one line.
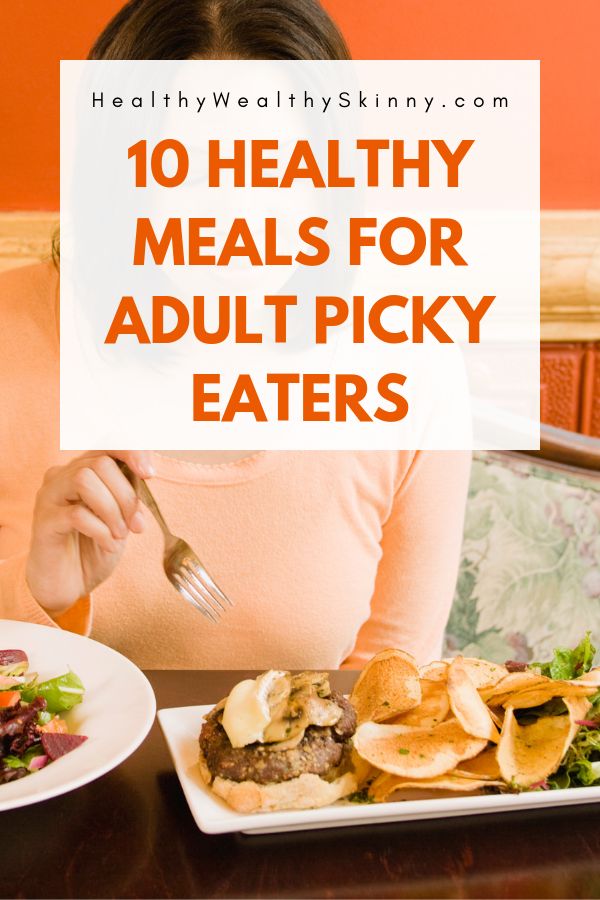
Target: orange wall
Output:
{"points": [[565, 36]]}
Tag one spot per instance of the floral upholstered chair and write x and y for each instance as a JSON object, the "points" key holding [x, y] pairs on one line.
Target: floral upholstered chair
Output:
{"points": [[529, 577]]}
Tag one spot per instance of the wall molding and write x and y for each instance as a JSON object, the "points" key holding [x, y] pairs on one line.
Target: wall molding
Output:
{"points": [[570, 275], [25, 237], [569, 278]]}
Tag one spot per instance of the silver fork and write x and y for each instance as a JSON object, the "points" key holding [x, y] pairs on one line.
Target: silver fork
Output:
{"points": [[182, 566]]}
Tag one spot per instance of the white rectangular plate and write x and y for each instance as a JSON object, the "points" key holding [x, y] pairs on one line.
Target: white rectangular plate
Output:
{"points": [[181, 727]]}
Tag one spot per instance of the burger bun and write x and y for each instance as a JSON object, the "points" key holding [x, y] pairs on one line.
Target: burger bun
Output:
{"points": [[307, 791]]}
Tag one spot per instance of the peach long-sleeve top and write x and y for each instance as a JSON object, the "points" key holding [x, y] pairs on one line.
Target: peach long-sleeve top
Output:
{"points": [[329, 556]]}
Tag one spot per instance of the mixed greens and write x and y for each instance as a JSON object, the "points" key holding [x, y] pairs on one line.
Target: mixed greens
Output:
{"points": [[581, 764], [569, 663], [32, 730]]}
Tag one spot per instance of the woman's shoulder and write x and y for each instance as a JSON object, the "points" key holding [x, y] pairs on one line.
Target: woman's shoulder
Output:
{"points": [[379, 472], [29, 293], [35, 279]]}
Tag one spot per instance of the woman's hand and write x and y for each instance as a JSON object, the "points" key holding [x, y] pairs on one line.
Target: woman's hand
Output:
{"points": [[83, 514]]}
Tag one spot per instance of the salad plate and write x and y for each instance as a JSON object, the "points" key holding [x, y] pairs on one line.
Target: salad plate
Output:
{"points": [[113, 729]]}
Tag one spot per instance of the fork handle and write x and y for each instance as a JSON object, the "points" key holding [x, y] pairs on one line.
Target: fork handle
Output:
{"points": [[145, 495]]}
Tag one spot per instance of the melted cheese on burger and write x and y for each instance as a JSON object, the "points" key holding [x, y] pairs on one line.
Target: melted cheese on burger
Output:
{"points": [[247, 711]]}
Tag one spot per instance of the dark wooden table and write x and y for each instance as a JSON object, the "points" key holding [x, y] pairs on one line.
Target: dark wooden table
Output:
{"points": [[130, 834]]}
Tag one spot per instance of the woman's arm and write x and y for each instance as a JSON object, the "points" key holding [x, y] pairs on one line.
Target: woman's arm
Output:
{"points": [[17, 601], [421, 544]]}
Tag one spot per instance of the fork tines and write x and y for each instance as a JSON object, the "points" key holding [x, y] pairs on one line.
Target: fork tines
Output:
{"points": [[198, 588]]}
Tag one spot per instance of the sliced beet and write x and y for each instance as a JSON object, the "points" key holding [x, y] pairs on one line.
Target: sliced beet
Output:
{"points": [[56, 745], [10, 657]]}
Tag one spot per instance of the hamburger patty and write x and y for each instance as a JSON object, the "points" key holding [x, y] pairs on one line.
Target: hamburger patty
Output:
{"points": [[320, 750]]}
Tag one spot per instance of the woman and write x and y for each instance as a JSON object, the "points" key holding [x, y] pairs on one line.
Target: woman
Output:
{"points": [[329, 557]]}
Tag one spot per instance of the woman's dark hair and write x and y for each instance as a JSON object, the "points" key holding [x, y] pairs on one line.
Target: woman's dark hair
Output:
{"points": [[247, 29]]}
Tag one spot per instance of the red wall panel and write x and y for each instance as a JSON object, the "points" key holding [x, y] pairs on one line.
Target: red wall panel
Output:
{"points": [[561, 383]]}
